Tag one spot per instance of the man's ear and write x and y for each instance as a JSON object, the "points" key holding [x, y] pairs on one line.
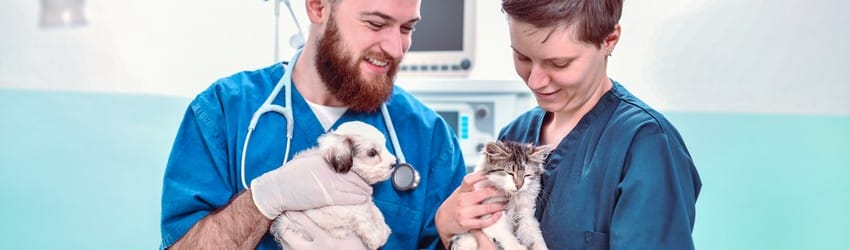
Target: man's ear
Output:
{"points": [[338, 151], [317, 10]]}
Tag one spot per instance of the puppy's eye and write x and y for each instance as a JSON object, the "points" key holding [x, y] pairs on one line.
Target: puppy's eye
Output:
{"points": [[372, 152]]}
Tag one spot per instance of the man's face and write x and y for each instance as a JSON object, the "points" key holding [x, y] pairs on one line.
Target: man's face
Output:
{"points": [[359, 71]]}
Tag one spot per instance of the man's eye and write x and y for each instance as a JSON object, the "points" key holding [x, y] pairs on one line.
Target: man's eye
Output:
{"points": [[375, 25], [407, 30]]}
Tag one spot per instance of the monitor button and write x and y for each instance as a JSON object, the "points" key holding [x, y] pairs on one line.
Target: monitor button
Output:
{"points": [[465, 64]]}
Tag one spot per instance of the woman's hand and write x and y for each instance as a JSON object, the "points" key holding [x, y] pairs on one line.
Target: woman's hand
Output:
{"points": [[463, 210]]}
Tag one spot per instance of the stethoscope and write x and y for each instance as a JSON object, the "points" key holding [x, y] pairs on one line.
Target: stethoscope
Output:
{"points": [[404, 177]]}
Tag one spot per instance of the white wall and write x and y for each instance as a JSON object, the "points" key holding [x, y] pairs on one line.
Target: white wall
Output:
{"points": [[781, 56], [151, 46]]}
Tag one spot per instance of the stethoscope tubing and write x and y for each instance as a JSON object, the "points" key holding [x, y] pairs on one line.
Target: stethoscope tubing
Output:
{"points": [[285, 83]]}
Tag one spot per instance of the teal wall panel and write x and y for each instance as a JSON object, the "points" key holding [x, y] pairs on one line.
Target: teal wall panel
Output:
{"points": [[84, 171], [770, 181]]}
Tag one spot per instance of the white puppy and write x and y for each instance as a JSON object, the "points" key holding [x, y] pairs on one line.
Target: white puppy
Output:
{"points": [[354, 146]]}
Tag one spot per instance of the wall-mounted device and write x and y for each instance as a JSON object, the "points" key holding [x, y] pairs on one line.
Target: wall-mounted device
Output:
{"points": [[296, 41], [475, 109], [443, 40]]}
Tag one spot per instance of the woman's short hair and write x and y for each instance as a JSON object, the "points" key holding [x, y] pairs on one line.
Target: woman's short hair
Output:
{"points": [[593, 19]]}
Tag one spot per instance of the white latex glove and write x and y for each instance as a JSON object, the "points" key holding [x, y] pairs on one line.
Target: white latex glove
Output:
{"points": [[306, 182], [308, 235]]}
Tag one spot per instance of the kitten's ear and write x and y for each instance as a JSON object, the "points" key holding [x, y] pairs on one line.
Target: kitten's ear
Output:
{"points": [[538, 154], [495, 150], [338, 151]]}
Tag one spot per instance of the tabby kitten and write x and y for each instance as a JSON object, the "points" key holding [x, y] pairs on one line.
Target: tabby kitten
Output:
{"points": [[514, 168]]}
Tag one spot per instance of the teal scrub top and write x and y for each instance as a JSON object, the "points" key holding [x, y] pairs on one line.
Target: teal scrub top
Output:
{"points": [[621, 179], [203, 171]]}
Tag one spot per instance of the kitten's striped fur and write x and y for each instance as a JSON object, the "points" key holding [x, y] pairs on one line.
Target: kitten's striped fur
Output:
{"points": [[514, 168]]}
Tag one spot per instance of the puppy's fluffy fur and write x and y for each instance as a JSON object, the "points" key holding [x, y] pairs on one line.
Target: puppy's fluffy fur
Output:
{"points": [[359, 147]]}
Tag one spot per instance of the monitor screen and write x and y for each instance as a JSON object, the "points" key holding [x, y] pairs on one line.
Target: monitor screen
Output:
{"points": [[443, 40], [441, 27], [451, 118]]}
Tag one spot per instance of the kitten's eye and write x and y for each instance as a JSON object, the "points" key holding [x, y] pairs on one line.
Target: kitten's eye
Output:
{"points": [[372, 152]]}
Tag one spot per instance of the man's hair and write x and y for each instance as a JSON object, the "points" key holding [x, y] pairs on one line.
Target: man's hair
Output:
{"points": [[593, 19]]}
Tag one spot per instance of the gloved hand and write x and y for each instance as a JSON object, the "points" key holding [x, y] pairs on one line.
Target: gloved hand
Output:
{"points": [[306, 182], [308, 235]]}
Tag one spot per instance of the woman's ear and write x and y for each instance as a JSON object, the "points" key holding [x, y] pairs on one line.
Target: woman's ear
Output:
{"points": [[611, 40]]}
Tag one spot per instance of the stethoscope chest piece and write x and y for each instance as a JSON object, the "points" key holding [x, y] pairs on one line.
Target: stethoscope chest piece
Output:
{"points": [[404, 177]]}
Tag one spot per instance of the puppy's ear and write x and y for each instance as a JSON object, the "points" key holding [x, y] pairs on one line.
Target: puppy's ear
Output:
{"points": [[338, 151]]}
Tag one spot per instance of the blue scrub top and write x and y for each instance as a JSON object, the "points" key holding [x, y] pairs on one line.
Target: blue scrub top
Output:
{"points": [[621, 179], [203, 172]]}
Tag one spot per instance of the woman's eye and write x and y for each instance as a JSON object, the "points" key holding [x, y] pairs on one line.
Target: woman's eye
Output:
{"points": [[522, 58], [560, 66]]}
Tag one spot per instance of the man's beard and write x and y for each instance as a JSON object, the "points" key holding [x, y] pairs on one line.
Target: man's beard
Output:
{"points": [[343, 77]]}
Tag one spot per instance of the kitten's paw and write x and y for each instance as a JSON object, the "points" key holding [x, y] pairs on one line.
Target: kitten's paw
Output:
{"points": [[506, 245], [464, 242], [538, 246]]}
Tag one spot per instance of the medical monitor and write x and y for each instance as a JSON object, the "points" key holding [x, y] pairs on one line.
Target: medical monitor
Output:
{"points": [[475, 110], [443, 40]]}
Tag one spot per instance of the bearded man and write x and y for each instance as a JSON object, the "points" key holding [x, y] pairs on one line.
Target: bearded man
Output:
{"points": [[345, 72]]}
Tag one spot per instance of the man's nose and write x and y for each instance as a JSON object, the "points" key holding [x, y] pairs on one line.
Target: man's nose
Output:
{"points": [[393, 44]]}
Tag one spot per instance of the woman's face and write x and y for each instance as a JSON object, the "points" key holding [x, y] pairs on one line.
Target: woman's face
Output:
{"points": [[557, 68]]}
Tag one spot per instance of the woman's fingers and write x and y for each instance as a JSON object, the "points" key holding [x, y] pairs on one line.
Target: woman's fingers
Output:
{"points": [[469, 181], [479, 222], [479, 195]]}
